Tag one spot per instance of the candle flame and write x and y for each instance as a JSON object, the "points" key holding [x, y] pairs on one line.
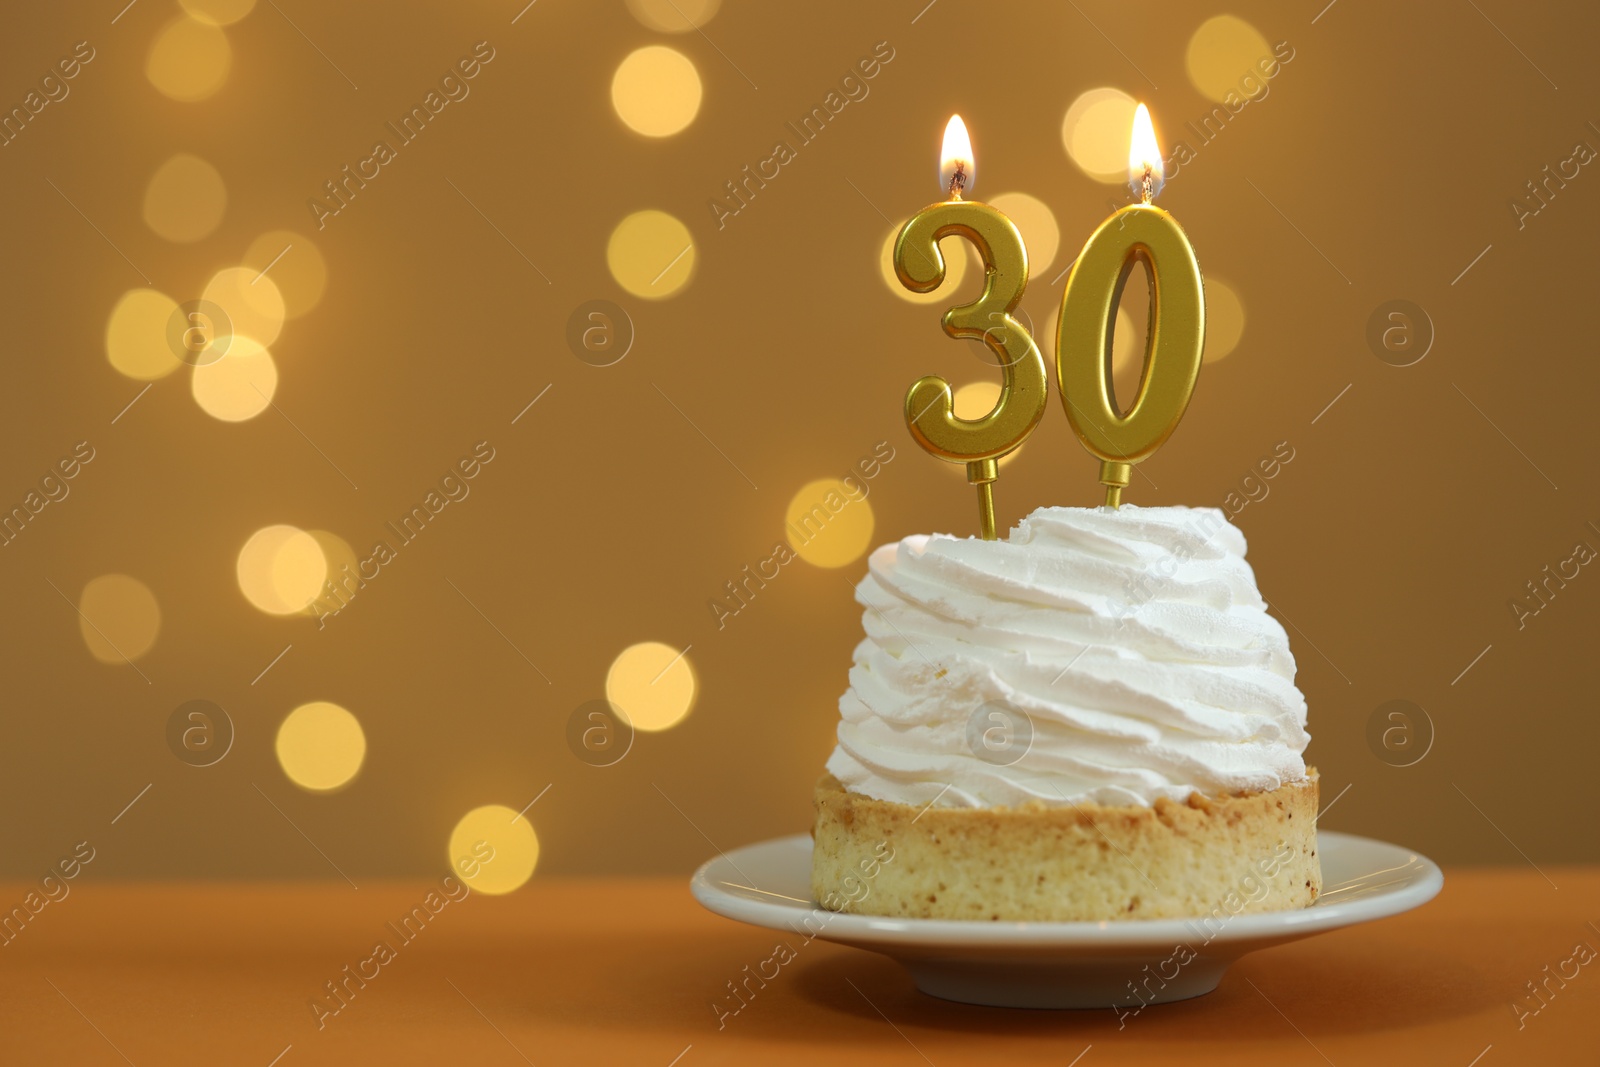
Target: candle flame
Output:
{"points": [[1144, 157], [956, 168]]}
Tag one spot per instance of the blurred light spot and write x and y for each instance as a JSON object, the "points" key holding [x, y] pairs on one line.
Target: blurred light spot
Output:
{"points": [[189, 61], [218, 12], [295, 266], [252, 301], [829, 523], [656, 91], [1095, 134], [136, 335], [185, 199], [118, 617], [281, 569], [1037, 224], [958, 256], [974, 401], [1223, 53], [239, 385], [652, 685], [343, 574], [493, 849], [1224, 319], [321, 746], [674, 16], [651, 254], [1125, 348]]}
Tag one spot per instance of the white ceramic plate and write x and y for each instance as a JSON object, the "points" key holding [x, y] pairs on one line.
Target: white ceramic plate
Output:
{"points": [[1066, 964]]}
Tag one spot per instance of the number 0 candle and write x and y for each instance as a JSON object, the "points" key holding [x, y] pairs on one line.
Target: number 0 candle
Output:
{"points": [[1138, 233], [920, 266]]}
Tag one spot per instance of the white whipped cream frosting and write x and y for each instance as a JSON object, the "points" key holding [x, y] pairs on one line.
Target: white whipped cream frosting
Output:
{"points": [[1095, 655]]}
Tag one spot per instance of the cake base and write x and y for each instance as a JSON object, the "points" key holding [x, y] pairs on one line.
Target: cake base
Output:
{"points": [[1206, 858]]}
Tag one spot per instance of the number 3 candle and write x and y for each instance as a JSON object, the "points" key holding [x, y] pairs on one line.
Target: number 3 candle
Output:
{"points": [[1137, 233], [930, 408]]}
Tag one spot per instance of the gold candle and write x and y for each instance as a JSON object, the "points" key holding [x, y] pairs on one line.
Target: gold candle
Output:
{"points": [[930, 406], [1138, 233]]}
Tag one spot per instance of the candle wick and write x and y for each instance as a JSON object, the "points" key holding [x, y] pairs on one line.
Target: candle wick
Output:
{"points": [[1148, 183], [958, 180]]}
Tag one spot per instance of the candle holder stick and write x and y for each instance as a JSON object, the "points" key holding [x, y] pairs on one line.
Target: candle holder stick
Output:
{"points": [[982, 473], [1115, 477]]}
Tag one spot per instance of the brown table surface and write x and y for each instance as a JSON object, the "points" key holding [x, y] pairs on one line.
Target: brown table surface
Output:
{"points": [[625, 971]]}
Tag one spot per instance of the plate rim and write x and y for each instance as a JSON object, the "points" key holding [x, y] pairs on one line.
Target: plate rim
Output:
{"points": [[977, 933]]}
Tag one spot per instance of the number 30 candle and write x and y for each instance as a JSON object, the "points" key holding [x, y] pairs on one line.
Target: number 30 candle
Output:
{"points": [[930, 407], [1137, 233]]}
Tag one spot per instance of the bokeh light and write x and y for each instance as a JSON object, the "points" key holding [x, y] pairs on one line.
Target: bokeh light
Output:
{"points": [[1223, 53], [656, 91], [237, 386], [342, 572], [185, 199], [118, 617], [973, 401], [674, 16], [136, 335], [252, 301], [1224, 319], [295, 265], [189, 60], [493, 849], [321, 746], [651, 254], [1095, 133], [958, 258], [218, 12], [1127, 346], [1037, 224], [652, 685], [828, 523], [281, 569]]}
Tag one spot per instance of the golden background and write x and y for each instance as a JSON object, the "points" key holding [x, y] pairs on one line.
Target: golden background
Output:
{"points": [[1381, 164]]}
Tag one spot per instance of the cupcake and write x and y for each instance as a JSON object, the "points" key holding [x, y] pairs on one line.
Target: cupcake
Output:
{"points": [[1093, 719]]}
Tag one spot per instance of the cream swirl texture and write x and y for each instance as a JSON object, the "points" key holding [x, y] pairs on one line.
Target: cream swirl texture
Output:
{"points": [[1095, 655]]}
